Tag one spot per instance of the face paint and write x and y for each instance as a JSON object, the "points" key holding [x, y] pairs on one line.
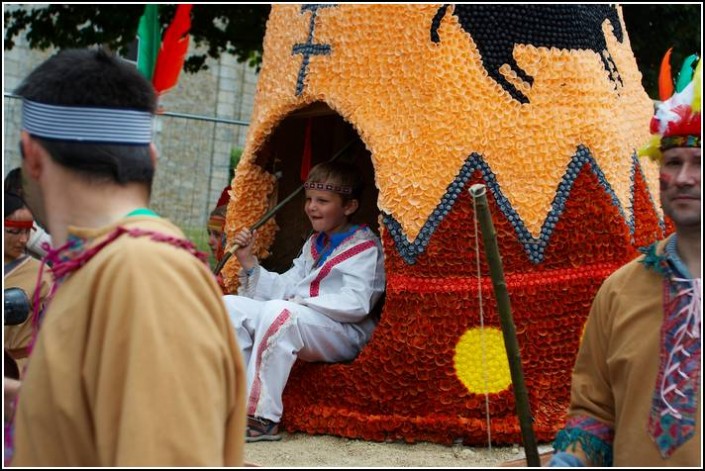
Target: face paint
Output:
{"points": [[664, 180]]}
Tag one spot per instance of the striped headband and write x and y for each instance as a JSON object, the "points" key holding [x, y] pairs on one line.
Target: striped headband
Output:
{"points": [[87, 125], [216, 223]]}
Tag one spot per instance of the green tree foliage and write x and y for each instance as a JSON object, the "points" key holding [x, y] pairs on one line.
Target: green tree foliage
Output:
{"points": [[238, 29], [653, 29], [235, 155]]}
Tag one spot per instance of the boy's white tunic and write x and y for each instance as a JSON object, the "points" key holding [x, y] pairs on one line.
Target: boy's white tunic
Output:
{"points": [[312, 313]]}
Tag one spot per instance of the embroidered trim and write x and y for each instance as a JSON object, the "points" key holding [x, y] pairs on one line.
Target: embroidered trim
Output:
{"points": [[595, 438], [655, 262], [332, 262], [679, 141], [341, 189], [315, 255], [256, 389], [674, 403]]}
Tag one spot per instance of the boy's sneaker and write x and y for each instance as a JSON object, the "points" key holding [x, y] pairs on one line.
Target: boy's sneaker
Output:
{"points": [[260, 430]]}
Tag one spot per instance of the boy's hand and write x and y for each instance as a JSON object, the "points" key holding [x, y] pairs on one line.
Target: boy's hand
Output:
{"points": [[245, 240]]}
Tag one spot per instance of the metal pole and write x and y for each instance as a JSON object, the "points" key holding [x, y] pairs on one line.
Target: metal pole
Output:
{"points": [[229, 252], [511, 344]]}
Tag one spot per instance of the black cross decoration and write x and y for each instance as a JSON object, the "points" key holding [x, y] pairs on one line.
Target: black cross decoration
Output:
{"points": [[309, 48]]}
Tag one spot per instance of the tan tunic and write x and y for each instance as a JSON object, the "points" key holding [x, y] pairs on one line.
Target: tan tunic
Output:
{"points": [[136, 364], [615, 373], [18, 337]]}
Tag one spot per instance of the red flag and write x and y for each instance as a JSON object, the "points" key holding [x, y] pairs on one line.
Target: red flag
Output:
{"points": [[173, 51], [306, 155]]}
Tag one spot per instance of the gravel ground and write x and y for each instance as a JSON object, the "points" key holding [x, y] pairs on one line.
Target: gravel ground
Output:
{"points": [[307, 451]]}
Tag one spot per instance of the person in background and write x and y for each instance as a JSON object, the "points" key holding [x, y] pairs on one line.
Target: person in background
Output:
{"points": [[38, 237], [320, 309], [21, 271], [636, 384], [135, 363], [216, 231]]}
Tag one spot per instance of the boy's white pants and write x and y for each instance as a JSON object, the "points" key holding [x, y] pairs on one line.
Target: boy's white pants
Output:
{"points": [[273, 334]]}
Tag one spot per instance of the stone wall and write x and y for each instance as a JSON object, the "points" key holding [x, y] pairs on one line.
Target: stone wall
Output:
{"points": [[194, 155]]}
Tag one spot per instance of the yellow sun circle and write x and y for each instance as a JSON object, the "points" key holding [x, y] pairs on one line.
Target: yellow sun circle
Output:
{"points": [[480, 361]]}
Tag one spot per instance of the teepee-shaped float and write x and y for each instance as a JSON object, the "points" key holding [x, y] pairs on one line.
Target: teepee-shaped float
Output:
{"points": [[541, 103]]}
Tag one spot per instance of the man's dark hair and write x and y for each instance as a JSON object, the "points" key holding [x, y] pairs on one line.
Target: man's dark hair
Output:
{"points": [[13, 181], [11, 203], [94, 78]]}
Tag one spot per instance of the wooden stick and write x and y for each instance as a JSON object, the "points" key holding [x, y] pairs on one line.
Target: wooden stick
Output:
{"points": [[511, 344]]}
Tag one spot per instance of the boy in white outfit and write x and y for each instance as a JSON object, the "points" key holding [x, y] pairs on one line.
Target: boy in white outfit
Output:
{"points": [[319, 310]]}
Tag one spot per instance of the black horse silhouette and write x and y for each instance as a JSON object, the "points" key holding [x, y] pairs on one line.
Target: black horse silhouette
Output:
{"points": [[495, 29]]}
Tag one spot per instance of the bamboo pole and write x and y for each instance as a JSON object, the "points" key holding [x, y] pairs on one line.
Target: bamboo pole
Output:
{"points": [[231, 250], [511, 344]]}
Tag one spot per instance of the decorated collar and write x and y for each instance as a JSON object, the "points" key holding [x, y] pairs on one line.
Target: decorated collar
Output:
{"points": [[667, 264], [674, 405], [325, 245]]}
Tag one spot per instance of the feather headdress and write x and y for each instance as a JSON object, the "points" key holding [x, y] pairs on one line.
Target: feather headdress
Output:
{"points": [[677, 122]]}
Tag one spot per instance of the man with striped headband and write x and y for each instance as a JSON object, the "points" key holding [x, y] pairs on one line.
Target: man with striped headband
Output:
{"points": [[135, 330], [635, 393]]}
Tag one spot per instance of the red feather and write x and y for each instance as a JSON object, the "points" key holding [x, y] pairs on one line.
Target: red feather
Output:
{"points": [[665, 78], [173, 51]]}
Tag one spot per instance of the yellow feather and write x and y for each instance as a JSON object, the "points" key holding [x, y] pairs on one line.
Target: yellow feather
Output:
{"points": [[652, 149], [698, 88]]}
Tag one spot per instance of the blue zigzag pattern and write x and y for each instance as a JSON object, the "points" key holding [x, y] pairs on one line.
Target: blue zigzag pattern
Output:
{"points": [[534, 247]]}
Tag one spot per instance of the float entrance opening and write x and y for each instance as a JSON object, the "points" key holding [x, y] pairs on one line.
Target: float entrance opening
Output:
{"points": [[282, 156]]}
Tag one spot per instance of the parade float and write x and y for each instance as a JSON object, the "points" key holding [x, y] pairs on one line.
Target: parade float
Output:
{"points": [[542, 104]]}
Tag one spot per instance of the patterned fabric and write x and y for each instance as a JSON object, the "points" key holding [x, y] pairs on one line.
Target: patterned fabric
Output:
{"points": [[341, 189], [680, 141], [594, 437], [674, 403], [87, 125], [9, 446]]}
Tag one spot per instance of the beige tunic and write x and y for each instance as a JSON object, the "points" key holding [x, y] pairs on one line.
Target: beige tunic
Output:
{"points": [[18, 337], [136, 364], [615, 373]]}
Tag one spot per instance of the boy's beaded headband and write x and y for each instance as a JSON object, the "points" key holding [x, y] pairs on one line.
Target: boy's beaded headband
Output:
{"points": [[87, 125], [341, 189]]}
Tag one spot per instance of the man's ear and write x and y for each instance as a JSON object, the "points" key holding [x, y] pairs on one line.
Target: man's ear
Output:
{"points": [[31, 155], [351, 206]]}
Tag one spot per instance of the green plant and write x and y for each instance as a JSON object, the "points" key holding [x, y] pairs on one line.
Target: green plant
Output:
{"points": [[199, 236], [235, 155]]}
